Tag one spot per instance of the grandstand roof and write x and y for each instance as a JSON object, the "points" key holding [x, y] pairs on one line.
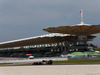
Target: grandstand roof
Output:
{"points": [[37, 40], [79, 29], [43, 39]]}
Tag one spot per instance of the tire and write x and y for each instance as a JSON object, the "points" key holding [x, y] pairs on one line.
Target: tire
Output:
{"points": [[50, 62]]}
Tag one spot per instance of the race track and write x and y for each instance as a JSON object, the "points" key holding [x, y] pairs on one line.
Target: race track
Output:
{"points": [[51, 70], [30, 60]]}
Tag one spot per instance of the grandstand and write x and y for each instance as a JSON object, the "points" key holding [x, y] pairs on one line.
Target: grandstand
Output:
{"points": [[63, 40], [83, 33], [49, 45], [40, 46]]}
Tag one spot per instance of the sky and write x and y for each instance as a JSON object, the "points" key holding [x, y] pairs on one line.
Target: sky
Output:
{"points": [[26, 18]]}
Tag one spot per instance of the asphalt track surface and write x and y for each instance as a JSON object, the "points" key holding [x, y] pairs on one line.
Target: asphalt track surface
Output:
{"points": [[51, 70], [75, 69], [30, 60]]}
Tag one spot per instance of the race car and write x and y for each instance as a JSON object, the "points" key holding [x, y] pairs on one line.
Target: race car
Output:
{"points": [[44, 62]]}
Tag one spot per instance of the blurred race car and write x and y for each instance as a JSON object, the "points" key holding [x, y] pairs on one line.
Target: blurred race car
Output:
{"points": [[44, 62]]}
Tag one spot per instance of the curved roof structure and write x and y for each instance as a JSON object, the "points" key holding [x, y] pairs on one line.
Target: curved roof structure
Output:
{"points": [[78, 29], [44, 39], [75, 30]]}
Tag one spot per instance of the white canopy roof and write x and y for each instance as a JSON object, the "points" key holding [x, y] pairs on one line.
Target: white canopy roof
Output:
{"points": [[43, 39], [41, 36]]}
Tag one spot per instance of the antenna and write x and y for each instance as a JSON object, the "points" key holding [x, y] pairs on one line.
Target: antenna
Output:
{"points": [[81, 13]]}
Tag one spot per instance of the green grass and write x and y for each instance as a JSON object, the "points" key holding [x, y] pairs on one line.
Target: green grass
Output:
{"points": [[15, 64], [5, 63], [77, 61], [85, 52], [77, 53]]}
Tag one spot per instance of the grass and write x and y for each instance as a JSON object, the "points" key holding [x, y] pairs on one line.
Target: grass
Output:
{"points": [[15, 64], [5, 63], [77, 61], [85, 52], [92, 61]]}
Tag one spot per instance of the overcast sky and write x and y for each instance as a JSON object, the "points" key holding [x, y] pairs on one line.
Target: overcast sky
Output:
{"points": [[26, 18]]}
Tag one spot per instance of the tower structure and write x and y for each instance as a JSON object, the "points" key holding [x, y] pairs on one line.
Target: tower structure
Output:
{"points": [[82, 31]]}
